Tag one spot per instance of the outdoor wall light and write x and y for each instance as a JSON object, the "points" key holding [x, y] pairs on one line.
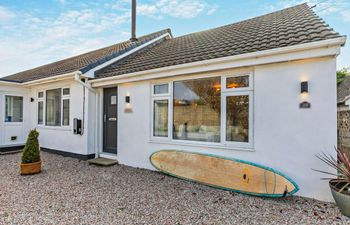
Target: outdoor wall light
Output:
{"points": [[127, 99], [31, 99], [304, 87], [128, 108]]}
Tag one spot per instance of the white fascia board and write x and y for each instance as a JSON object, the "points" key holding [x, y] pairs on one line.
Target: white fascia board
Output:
{"points": [[51, 79], [91, 73], [9, 83], [303, 51]]}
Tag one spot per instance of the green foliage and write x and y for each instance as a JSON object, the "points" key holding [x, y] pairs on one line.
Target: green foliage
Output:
{"points": [[341, 74], [31, 152]]}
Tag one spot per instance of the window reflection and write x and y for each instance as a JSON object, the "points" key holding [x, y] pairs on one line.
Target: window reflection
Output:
{"points": [[197, 110], [237, 118]]}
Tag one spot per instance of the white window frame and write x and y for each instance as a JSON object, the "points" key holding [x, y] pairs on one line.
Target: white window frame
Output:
{"points": [[165, 96], [43, 99], [223, 144], [3, 119], [65, 97]]}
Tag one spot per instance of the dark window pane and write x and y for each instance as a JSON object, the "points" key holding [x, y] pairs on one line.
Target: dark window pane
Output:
{"points": [[66, 91], [41, 94], [40, 112], [13, 109], [237, 82], [53, 107], [197, 109], [161, 89], [65, 121], [160, 123], [237, 118]]}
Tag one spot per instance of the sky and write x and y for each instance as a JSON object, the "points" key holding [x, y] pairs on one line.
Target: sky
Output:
{"points": [[37, 32]]}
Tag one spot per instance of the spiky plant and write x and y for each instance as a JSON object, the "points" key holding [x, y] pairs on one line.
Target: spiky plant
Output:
{"points": [[31, 152], [342, 166]]}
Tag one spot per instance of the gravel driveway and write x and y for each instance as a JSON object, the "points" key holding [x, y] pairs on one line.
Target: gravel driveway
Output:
{"points": [[69, 191]]}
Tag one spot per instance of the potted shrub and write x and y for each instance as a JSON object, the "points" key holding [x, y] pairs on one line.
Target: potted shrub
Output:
{"points": [[31, 163], [340, 186]]}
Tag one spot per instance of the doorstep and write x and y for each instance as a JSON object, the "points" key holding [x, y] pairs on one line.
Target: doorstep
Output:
{"points": [[103, 162]]}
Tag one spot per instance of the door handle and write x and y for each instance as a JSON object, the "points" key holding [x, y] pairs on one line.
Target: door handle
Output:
{"points": [[112, 119], [104, 117]]}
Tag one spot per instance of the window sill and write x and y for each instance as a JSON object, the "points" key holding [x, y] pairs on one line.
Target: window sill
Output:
{"points": [[13, 123], [53, 128], [204, 144]]}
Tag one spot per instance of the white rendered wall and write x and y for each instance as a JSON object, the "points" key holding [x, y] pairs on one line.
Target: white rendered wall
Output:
{"points": [[62, 138], [7, 130], [286, 137]]}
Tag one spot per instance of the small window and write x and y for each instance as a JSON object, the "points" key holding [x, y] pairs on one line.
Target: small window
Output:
{"points": [[161, 89], [65, 120], [237, 82], [66, 91], [40, 112], [13, 109], [53, 107], [113, 100], [160, 120], [40, 94], [237, 118]]}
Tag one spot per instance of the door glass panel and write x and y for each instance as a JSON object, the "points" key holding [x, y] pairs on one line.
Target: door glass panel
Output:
{"points": [[237, 118], [113, 100], [13, 109]]}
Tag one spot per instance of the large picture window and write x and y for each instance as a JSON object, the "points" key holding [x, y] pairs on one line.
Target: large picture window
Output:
{"points": [[54, 106], [196, 110], [13, 108], [214, 109]]}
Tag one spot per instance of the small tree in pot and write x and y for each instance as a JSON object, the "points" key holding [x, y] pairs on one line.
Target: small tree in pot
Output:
{"points": [[31, 162], [340, 186]]}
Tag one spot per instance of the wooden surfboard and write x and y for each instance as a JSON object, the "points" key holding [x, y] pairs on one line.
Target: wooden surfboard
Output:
{"points": [[225, 173]]}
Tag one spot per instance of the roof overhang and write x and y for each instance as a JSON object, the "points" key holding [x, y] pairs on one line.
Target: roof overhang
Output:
{"points": [[317, 49]]}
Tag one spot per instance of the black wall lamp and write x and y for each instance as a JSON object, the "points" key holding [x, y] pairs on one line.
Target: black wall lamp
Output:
{"points": [[304, 87], [127, 99], [31, 99]]}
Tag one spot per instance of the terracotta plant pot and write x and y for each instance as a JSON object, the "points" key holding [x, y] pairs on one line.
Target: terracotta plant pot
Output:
{"points": [[30, 168], [341, 198]]}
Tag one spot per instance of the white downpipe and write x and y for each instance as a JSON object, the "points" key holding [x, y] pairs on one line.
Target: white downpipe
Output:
{"points": [[77, 77]]}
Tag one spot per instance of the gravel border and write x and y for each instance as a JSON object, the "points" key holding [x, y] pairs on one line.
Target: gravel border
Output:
{"points": [[69, 191]]}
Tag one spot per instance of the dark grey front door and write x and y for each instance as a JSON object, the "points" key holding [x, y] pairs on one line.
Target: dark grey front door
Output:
{"points": [[110, 119]]}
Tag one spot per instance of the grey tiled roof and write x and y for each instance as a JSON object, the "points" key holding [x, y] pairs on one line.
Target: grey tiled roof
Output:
{"points": [[291, 26], [82, 62], [343, 90]]}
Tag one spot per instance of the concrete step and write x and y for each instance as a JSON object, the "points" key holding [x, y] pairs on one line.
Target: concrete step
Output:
{"points": [[103, 162]]}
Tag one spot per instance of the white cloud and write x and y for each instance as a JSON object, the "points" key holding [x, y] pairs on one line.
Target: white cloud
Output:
{"points": [[32, 40], [184, 9], [346, 15], [323, 8], [6, 14]]}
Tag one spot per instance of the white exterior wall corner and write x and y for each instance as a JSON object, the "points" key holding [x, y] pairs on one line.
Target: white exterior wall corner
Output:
{"points": [[286, 137]]}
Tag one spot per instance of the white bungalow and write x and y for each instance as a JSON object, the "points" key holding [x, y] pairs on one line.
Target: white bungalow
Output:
{"points": [[261, 90]]}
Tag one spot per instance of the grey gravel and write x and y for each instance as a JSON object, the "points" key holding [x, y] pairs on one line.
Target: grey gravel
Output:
{"points": [[70, 191]]}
